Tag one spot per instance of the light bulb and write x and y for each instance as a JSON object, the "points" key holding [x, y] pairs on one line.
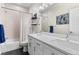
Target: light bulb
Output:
{"points": [[41, 7], [45, 5]]}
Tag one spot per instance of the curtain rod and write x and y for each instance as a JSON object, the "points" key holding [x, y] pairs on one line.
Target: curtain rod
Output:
{"points": [[15, 10]]}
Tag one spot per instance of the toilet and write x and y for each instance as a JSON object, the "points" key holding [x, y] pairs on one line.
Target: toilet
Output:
{"points": [[24, 45]]}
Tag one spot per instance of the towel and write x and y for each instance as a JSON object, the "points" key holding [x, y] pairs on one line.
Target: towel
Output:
{"points": [[2, 36], [51, 29]]}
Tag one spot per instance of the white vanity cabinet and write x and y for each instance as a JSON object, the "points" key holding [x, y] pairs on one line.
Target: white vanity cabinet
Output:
{"points": [[34, 47], [31, 45], [37, 47]]}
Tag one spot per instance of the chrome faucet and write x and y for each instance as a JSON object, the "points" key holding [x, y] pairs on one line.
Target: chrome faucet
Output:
{"points": [[68, 34]]}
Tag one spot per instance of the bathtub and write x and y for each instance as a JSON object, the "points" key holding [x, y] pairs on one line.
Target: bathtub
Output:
{"points": [[9, 45]]}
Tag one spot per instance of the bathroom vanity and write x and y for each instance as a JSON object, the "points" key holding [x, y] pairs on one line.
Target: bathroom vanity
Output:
{"points": [[51, 44]]}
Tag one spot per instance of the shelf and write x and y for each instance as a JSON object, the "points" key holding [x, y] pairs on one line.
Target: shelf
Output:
{"points": [[34, 24], [35, 19]]}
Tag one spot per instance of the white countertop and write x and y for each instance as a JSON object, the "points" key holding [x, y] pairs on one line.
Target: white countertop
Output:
{"points": [[58, 42]]}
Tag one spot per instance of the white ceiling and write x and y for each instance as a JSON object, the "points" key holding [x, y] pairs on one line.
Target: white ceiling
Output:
{"points": [[41, 7], [25, 5]]}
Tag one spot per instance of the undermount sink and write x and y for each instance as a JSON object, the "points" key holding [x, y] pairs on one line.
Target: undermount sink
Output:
{"points": [[51, 37], [47, 37], [60, 40], [52, 34], [67, 44]]}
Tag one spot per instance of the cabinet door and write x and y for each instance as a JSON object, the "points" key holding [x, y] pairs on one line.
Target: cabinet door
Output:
{"points": [[48, 50], [31, 46], [38, 48]]}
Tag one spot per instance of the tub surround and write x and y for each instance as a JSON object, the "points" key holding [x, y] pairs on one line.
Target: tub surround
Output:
{"points": [[9, 45], [59, 41]]}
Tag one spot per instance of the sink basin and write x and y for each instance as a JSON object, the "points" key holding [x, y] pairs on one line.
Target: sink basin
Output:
{"points": [[49, 36], [52, 34], [73, 37], [65, 44], [60, 35], [60, 40]]}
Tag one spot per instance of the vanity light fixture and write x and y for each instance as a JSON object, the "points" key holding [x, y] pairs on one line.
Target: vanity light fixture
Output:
{"points": [[44, 6]]}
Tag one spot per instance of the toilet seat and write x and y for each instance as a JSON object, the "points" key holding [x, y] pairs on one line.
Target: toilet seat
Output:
{"points": [[24, 44]]}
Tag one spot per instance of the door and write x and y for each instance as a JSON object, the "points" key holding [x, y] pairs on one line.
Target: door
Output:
{"points": [[31, 45], [38, 48], [48, 50]]}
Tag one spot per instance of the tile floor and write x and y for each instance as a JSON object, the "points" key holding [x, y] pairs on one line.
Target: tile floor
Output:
{"points": [[16, 52]]}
